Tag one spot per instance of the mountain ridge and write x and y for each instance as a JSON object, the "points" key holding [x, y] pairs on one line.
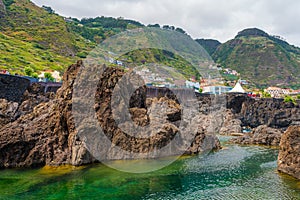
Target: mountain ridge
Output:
{"points": [[36, 37], [210, 45], [261, 58]]}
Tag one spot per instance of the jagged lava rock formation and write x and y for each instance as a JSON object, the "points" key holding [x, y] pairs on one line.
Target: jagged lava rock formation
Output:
{"points": [[289, 153], [268, 118], [10, 111], [47, 135]]}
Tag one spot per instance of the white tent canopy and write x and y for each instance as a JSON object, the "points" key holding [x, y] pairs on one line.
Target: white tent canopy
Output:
{"points": [[237, 89]]}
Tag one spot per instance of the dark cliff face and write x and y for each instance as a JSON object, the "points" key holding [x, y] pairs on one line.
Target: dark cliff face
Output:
{"points": [[268, 118], [41, 130], [271, 112], [274, 113], [47, 134], [39, 136]]}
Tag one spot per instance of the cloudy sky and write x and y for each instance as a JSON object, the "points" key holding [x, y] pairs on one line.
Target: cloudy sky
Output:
{"points": [[217, 19]]}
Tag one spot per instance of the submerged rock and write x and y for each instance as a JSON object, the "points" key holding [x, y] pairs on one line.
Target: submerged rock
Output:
{"points": [[262, 135], [289, 153]]}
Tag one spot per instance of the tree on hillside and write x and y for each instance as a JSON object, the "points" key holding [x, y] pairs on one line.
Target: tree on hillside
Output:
{"points": [[180, 30], [49, 77], [28, 71], [7, 3], [265, 94], [35, 75], [288, 99], [48, 9], [154, 25], [166, 27]]}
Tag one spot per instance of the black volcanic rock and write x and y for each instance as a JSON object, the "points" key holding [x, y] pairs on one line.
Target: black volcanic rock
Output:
{"points": [[289, 153], [262, 135], [10, 111], [274, 113], [12, 88], [48, 134], [268, 118]]}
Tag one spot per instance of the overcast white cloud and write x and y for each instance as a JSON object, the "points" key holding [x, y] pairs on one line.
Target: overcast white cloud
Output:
{"points": [[218, 19]]}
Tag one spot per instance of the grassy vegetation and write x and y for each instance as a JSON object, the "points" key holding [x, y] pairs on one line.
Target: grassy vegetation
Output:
{"points": [[139, 57], [32, 37], [37, 38], [209, 45], [290, 99], [99, 28], [16, 55]]}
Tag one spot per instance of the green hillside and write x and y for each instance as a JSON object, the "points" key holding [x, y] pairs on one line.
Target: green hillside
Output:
{"points": [[35, 37], [209, 45], [32, 37], [99, 28], [40, 39], [262, 59]]}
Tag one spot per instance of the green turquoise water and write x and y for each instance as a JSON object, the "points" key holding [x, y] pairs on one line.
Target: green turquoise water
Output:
{"points": [[237, 172]]}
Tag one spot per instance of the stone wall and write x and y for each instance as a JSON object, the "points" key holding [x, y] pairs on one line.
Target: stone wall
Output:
{"points": [[50, 87], [12, 88]]}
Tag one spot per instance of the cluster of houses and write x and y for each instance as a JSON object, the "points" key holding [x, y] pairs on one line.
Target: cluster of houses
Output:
{"points": [[155, 79], [211, 86], [277, 92], [230, 71]]}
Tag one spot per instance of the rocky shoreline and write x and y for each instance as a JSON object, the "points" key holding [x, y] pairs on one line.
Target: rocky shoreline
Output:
{"points": [[40, 130], [289, 153]]}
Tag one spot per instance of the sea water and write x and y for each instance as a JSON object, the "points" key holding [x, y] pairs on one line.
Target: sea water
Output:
{"points": [[236, 172]]}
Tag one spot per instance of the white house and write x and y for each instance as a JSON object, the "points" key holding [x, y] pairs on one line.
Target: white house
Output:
{"points": [[216, 89], [190, 84], [277, 92], [55, 75]]}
